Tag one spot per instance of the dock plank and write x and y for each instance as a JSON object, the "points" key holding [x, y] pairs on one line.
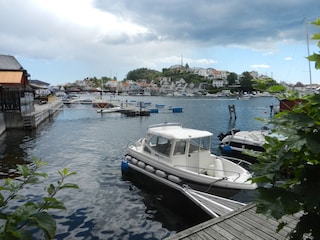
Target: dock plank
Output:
{"points": [[243, 223]]}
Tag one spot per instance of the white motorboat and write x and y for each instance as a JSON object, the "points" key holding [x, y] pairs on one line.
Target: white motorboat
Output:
{"points": [[234, 142], [109, 110], [182, 155]]}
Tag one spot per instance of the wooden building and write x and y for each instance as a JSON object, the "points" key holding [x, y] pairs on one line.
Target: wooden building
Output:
{"points": [[15, 94]]}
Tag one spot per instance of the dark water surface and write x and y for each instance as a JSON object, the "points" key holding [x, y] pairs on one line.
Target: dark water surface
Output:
{"points": [[93, 145]]}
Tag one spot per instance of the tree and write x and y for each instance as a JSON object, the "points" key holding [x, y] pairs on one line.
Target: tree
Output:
{"points": [[246, 81], [276, 89], [142, 73], [231, 78], [288, 171]]}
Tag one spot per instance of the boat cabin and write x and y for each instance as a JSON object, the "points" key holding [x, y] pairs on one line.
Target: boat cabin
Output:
{"points": [[180, 147]]}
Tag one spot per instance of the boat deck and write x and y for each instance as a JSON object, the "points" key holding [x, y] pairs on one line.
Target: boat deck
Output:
{"points": [[243, 223]]}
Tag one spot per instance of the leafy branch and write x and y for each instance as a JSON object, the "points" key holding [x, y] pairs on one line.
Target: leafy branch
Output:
{"points": [[30, 215], [288, 170]]}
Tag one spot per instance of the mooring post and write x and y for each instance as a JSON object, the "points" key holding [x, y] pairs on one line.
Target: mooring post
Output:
{"points": [[271, 109], [232, 109]]}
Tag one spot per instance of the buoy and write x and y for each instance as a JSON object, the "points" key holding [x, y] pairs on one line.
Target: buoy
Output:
{"points": [[173, 178], [141, 164], [150, 168], [161, 173]]}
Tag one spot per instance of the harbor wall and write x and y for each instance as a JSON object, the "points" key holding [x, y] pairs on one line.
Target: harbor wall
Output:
{"points": [[15, 120]]}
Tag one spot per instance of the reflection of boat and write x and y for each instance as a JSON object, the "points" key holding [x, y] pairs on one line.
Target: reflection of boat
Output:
{"points": [[183, 156], [109, 110]]}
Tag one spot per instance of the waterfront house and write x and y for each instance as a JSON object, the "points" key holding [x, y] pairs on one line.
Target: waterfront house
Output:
{"points": [[16, 97], [13, 84]]}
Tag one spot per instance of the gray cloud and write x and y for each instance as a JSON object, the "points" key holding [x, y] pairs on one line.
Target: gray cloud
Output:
{"points": [[218, 22]]}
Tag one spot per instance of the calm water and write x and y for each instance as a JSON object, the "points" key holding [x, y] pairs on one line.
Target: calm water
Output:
{"points": [[93, 145]]}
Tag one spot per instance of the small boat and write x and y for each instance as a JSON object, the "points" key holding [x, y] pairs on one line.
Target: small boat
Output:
{"points": [[234, 142], [109, 110], [70, 98], [182, 155]]}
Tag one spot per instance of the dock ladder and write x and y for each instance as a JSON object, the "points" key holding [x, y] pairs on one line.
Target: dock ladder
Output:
{"points": [[27, 121]]}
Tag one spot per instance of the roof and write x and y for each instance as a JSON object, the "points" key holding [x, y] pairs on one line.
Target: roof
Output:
{"points": [[9, 77], [175, 131], [8, 62], [12, 74]]}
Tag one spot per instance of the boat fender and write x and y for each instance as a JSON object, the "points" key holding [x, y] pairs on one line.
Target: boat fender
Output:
{"points": [[227, 149], [150, 168], [134, 161], [174, 179], [141, 164], [160, 173], [128, 157], [124, 166]]}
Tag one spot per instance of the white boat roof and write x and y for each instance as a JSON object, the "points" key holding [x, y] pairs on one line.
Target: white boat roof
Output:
{"points": [[176, 131]]}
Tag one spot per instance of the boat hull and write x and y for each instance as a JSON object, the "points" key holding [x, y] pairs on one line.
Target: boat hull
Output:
{"points": [[165, 195], [218, 187]]}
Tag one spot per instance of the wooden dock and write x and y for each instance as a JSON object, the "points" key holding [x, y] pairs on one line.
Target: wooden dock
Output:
{"points": [[243, 223]]}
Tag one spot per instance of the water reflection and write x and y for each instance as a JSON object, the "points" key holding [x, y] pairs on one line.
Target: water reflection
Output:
{"points": [[14, 150]]}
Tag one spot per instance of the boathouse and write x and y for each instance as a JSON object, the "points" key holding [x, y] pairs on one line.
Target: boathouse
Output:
{"points": [[16, 96]]}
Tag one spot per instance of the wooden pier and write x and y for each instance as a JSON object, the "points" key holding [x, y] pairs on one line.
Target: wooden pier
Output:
{"points": [[243, 223]]}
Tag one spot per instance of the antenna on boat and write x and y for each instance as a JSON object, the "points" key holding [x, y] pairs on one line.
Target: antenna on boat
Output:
{"points": [[307, 36]]}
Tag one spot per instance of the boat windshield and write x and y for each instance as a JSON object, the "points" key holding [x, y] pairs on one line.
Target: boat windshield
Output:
{"points": [[160, 144], [199, 144]]}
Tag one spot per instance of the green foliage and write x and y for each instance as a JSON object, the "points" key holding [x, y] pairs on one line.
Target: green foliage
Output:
{"points": [[142, 73], [29, 215], [288, 172], [276, 89], [231, 78], [316, 57], [246, 82], [264, 84]]}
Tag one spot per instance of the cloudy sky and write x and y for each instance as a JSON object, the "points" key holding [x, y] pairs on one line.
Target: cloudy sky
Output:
{"points": [[60, 41]]}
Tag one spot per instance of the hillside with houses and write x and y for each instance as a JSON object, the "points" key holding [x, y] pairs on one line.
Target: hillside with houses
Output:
{"points": [[181, 80]]}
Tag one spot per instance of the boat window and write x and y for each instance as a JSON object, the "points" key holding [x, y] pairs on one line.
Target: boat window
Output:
{"points": [[146, 149], [205, 143], [180, 147], [199, 144], [160, 144]]}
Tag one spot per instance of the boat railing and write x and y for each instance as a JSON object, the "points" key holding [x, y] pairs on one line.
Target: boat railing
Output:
{"points": [[135, 144], [238, 160], [204, 171]]}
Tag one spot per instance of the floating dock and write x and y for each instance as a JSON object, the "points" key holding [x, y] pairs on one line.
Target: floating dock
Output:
{"points": [[243, 223]]}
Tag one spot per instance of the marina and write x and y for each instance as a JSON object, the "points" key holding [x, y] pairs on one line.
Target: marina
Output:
{"points": [[108, 206]]}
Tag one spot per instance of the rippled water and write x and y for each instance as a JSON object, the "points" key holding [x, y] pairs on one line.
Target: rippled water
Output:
{"points": [[93, 145]]}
